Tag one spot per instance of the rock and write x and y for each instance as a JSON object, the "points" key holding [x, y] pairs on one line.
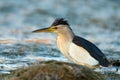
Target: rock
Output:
{"points": [[115, 62], [54, 70]]}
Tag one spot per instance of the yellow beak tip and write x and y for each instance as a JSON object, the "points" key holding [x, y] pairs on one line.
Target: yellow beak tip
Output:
{"points": [[33, 31]]}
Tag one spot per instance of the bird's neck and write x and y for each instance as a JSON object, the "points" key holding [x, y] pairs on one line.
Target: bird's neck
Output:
{"points": [[63, 42], [65, 37]]}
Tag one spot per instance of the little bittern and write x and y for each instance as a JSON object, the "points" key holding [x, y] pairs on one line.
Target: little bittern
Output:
{"points": [[77, 49]]}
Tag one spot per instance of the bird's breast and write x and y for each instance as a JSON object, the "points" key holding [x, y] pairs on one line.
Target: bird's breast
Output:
{"points": [[63, 45]]}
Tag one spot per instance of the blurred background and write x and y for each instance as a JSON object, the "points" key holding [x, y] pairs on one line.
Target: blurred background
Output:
{"points": [[95, 20]]}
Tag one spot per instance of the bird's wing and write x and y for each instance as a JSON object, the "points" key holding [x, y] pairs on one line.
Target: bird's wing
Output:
{"points": [[92, 49]]}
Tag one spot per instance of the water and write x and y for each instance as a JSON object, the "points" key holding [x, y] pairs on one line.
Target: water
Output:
{"points": [[97, 21]]}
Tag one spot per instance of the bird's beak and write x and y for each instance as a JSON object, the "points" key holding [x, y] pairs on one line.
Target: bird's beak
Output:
{"points": [[49, 29]]}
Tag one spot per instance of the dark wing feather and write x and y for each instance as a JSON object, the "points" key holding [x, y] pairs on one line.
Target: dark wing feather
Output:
{"points": [[92, 49]]}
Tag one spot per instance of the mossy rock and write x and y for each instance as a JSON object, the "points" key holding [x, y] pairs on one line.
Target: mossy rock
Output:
{"points": [[54, 70]]}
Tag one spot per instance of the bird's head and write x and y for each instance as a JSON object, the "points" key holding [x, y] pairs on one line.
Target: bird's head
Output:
{"points": [[60, 25]]}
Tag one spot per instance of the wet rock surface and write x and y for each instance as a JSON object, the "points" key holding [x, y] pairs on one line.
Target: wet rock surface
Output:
{"points": [[54, 70]]}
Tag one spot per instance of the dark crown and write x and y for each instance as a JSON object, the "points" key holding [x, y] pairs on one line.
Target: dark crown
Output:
{"points": [[60, 21]]}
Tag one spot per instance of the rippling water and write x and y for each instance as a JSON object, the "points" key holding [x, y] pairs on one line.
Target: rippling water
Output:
{"points": [[97, 21]]}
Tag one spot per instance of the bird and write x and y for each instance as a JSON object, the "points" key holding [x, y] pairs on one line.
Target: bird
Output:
{"points": [[75, 48]]}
